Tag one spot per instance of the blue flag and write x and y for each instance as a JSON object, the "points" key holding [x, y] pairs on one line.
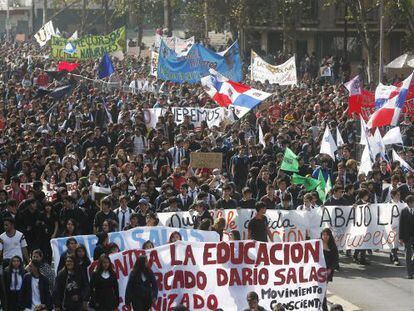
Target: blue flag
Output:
{"points": [[106, 68], [197, 63]]}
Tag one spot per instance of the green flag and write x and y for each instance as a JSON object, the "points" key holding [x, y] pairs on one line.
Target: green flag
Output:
{"points": [[321, 187], [328, 185], [290, 161], [308, 182]]}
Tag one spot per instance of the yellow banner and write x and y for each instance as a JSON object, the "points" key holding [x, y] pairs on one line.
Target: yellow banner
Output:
{"points": [[89, 46]]}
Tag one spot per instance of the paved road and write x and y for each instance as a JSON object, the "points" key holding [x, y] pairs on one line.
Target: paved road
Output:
{"points": [[379, 286]]}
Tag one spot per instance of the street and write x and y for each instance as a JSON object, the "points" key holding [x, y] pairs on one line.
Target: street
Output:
{"points": [[379, 286]]}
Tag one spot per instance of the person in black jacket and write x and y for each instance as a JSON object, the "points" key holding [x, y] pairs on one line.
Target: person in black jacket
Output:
{"points": [[104, 286], [406, 233], [13, 277], [31, 297], [142, 289], [101, 245], [71, 289], [71, 245], [202, 213], [330, 252]]}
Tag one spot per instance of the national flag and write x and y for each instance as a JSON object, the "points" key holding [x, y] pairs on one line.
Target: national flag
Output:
{"points": [[339, 140], [390, 111], [393, 136], [227, 93], [45, 33], [106, 68], [358, 98], [403, 163], [308, 182], [328, 145], [67, 66], [382, 94], [290, 161]]}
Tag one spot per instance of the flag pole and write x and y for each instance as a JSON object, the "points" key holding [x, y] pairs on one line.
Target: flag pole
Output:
{"points": [[381, 43]]}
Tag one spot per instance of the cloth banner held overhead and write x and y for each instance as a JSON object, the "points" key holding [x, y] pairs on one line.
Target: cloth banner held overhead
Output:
{"points": [[197, 63], [284, 74], [45, 33], [89, 46], [133, 238], [213, 116], [373, 226], [208, 276]]}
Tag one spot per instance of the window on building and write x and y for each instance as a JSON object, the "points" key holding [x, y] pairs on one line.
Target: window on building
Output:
{"points": [[310, 9], [353, 47]]}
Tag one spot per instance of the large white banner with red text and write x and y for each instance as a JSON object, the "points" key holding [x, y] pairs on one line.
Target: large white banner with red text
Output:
{"points": [[208, 276], [373, 226]]}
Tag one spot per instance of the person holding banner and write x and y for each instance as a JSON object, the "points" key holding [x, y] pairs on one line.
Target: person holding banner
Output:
{"points": [[104, 289], [257, 227], [142, 289], [330, 252]]}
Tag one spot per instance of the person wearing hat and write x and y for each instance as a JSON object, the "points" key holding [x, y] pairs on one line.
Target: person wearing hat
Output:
{"points": [[253, 302]]}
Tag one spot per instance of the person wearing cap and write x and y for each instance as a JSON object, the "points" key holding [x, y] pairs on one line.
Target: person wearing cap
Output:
{"points": [[142, 211], [253, 302]]}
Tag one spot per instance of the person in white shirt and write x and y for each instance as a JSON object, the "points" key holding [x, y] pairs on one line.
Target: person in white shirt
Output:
{"points": [[136, 84], [140, 142], [123, 212], [12, 243], [307, 203]]}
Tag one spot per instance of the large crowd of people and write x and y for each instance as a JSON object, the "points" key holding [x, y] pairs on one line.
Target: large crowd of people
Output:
{"points": [[96, 136]]}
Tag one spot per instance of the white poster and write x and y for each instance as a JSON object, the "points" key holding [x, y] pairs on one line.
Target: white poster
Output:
{"points": [[45, 33], [208, 276], [284, 74], [154, 63]]}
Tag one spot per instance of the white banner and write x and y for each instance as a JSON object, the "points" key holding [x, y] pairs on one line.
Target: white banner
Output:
{"points": [[373, 226], [284, 74], [133, 239], [45, 33], [213, 117], [154, 63], [208, 276]]}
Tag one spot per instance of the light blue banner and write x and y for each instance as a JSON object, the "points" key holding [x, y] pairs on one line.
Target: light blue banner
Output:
{"points": [[196, 64]]}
